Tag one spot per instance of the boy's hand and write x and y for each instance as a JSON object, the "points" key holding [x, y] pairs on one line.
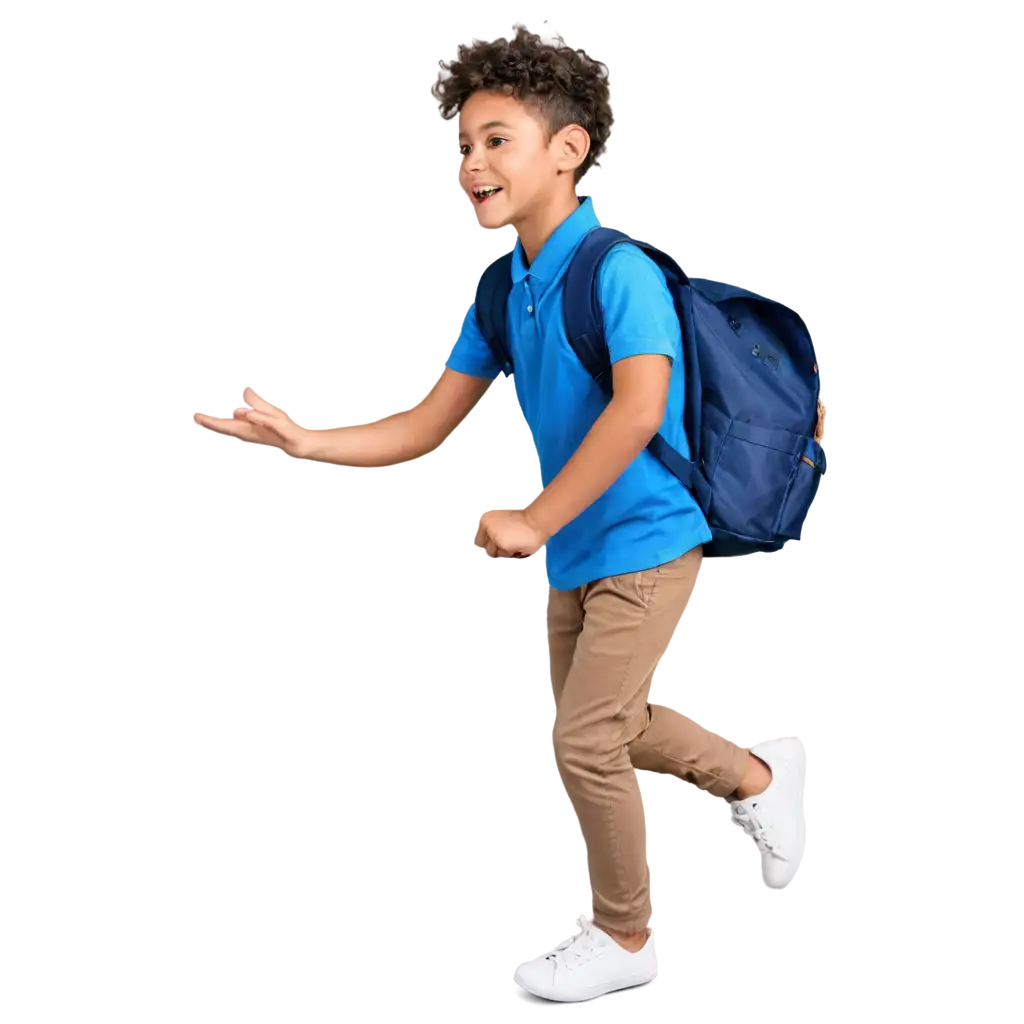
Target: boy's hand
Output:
{"points": [[263, 424], [223, 424], [510, 534]]}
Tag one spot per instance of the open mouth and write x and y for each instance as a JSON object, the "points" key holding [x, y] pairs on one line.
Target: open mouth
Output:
{"points": [[484, 194]]}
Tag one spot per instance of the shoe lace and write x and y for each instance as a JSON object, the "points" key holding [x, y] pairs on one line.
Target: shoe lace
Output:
{"points": [[578, 949], [745, 817], [583, 921]]}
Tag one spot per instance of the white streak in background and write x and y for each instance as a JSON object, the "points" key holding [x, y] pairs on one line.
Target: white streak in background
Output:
{"points": [[897, 816], [826, 965]]}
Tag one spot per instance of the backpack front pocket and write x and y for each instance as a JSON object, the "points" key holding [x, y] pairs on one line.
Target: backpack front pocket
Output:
{"points": [[803, 485], [761, 479]]}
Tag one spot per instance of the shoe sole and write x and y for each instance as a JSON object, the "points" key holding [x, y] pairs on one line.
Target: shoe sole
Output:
{"points": [[601, 990], [529, 1001]]}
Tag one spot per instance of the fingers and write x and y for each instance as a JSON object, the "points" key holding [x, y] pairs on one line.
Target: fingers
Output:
{"points": [[482, 542], [265, 417], [268, 422], [239, 428], [492, 547], [258, 428], [258, 404], [251, 425], [478, 535], [276, 423]]}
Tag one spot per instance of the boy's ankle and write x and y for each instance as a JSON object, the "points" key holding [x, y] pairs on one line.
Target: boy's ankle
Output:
{"points": [[631, 943], [757, 779]]}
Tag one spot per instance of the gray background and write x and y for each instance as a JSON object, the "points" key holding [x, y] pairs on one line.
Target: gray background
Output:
{"points": [[270, 739]]}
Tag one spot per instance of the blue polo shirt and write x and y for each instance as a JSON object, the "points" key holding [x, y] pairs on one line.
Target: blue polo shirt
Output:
{"points": [[647, 516]]}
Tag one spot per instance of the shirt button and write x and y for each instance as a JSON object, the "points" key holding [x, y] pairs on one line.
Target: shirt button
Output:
{"points": [[530, 308]]}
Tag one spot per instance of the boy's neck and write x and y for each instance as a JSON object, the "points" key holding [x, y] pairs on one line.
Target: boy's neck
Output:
{"points": [[538, 227]]}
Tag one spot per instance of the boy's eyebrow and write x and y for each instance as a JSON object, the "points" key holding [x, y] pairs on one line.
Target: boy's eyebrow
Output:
{"points": [[488, 124]]}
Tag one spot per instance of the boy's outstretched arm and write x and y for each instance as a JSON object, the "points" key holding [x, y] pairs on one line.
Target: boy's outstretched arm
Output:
{"points": [[399, 438]]}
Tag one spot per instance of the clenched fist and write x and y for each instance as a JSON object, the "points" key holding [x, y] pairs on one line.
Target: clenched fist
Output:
{"points": [[501, 532]]}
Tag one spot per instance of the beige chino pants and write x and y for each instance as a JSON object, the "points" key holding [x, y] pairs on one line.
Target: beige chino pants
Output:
{"points": [[606, 639]]}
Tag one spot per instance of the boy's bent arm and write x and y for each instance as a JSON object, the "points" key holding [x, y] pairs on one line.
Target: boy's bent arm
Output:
{"points": [[619, 435], [405, 435]]}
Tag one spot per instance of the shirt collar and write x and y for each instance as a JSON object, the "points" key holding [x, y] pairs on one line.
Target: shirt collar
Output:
{"points": [[560, 244]]}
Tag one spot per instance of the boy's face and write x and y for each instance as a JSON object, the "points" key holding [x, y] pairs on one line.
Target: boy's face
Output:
{"points": [[513, 155]]}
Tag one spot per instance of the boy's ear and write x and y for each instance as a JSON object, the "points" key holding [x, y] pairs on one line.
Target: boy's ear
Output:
{"points": [[573, 145]]}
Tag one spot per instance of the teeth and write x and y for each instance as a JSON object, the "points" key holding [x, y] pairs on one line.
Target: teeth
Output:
{"points": [[487, 191]]}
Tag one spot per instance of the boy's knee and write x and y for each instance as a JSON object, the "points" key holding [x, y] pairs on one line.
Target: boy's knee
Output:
{"points": [[583, 754], [571, 757], [575, 751]]}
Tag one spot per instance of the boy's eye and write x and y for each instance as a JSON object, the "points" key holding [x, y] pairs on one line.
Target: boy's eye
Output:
{"points": [[464, 148]]}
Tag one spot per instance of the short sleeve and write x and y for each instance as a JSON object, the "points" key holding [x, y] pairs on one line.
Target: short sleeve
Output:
{"points": [[636, 305], [471, 353]]}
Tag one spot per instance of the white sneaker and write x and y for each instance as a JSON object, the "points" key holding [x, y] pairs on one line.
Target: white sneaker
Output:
{"points": [[589, 964], [775, 818]]}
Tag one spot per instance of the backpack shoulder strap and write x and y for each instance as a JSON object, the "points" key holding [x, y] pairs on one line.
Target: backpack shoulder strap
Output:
{"points": [[492, 294], [581, 308], [584, 328], [681, 288]]}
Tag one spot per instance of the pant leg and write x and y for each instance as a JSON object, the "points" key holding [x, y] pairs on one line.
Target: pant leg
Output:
{"points": [[565, 623], [673, 744], [562, 627], [664, 740], [606, 639]]}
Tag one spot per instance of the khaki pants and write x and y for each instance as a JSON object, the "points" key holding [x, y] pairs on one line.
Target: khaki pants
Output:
{"points": [[606, 639]]}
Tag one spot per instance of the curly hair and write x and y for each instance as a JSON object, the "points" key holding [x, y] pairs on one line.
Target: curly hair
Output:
{"points": [[564, 85]]}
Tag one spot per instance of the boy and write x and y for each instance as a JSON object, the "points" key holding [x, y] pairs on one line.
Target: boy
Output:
{"points": [[624, 537]]}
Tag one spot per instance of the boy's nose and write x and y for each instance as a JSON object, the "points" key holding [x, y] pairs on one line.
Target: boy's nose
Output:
{"points": [[475, 161]]}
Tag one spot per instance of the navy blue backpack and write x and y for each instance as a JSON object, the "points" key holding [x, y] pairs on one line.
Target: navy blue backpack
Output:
{"points": [[752, 416]]}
